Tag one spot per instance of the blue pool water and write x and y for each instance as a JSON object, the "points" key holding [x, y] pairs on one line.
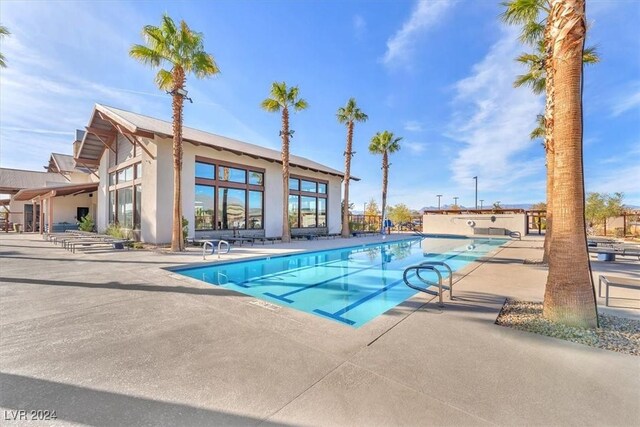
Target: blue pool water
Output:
{"points": [[348, 285]]}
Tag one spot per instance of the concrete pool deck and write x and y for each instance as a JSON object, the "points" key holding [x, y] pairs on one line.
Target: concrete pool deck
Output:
{"points": [[113, 338]]}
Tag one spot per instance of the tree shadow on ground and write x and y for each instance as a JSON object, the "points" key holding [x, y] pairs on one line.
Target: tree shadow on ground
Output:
{"points": [[211, 291], [77, 404]]}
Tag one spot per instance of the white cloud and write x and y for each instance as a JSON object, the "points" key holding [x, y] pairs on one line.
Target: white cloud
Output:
{"points": [[627, 102], [414, 147], [493, 120], [413, 126], [426, 14], [359, 26]]}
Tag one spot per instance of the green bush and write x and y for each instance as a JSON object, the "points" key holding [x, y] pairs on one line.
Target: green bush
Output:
{"points": [[185, 228], [114, 230], [86, 223]]}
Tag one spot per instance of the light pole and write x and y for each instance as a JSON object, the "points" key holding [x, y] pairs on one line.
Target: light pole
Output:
{"points": [[476, 179], [438, 196], [455, 201], [481, 200]]}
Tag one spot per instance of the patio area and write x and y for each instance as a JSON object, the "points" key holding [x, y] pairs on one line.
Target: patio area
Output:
{"points": [[114, 338]]}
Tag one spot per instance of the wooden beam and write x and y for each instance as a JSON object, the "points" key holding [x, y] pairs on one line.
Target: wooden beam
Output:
{"points": [[99, 132], [144, 134], [85, 162], [144, 148]]}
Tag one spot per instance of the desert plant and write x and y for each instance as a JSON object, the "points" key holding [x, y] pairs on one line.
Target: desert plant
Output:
{"points": [[86, 223]]}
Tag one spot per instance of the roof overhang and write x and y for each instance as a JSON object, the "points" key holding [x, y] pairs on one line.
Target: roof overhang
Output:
{"points": [[62, 190]]}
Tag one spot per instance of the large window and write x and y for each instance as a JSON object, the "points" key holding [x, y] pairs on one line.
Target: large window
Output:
{"points": [[125, 207], [204, 207], [125, 195], [307, 203], [228, 196], [231, 208]]}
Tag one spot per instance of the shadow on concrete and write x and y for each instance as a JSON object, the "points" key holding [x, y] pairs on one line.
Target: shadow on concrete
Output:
{"points": [[108, 261], [212, 291], [89, 406]]}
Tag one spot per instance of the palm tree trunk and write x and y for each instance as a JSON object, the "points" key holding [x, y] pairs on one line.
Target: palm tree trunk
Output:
{"points": [[286, 232], [569, 295], [548, 138], [385, 181], [177, 239], [347, 178]]}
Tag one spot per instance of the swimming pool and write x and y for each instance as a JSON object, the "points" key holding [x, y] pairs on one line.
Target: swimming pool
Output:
{"points": [[348, 285]]}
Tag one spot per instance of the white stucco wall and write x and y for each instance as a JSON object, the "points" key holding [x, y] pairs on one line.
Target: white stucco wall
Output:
{"points": [[457, 224], [65, 208], [102, 213]]}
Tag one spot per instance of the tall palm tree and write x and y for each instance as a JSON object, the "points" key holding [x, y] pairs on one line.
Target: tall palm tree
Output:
{"points": [[182, 50], [569, 294], [384, 143], [282, 99], [532, 15], [4, 31], [349, 114]]}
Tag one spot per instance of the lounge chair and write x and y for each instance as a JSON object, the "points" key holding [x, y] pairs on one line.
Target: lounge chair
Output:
{"points": [[615, 282]]}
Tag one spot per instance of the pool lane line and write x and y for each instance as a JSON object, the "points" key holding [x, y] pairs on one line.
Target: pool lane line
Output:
{"points": [[338, 314], [283, 297]]}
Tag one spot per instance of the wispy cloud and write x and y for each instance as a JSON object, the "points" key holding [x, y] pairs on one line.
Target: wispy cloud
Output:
{"points": [[493, 120], [359, 26], [425, 15], [629, 101], [413, 126], [414, 147]]}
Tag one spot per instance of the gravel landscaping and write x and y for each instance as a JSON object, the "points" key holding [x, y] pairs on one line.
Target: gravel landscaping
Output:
{"points": [[615, 333]]}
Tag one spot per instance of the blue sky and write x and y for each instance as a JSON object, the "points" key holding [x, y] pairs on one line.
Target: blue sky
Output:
{"points": [[436, 72]]}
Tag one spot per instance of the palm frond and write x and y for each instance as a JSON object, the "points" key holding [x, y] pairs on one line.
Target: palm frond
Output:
{"points": [[300, 105], [532, 32], [518, 12], [590, 55], [4, 31], [383, 142], [164, 79], [3, 63], [270, 105], [146, 55], [203, 65], [539, 131]]}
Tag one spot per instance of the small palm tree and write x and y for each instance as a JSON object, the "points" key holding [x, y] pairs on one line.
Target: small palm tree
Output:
{"points": [[4, 31], [349, 114], [569, 293], [384, 143], [282, 99], [182, 50]]}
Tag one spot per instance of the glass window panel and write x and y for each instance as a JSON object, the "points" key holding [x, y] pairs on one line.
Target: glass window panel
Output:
{"points": [[138, 212], [125, 207], [256, 178], [294, 184], [112, 178], [112, 207], [232, 174], [204, 207], [294, 202], [138, 168], [308, 186], [308, 211], [231, 208], [322, 212], [322, 188], [125, 175], [205, 170], [255, 209]]}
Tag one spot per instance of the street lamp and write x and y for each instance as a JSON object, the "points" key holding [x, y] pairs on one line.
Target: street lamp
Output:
{"points": [[481, 200], [455, 201], [476, 179], [180, 92], [438, 196]]}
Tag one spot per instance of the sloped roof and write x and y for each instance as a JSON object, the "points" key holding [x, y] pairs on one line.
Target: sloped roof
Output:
{"points": [[64, 163], [92, 147], [59, 190], [14, 180]]}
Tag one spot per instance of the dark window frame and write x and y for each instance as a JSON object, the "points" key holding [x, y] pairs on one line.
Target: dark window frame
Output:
{"points": [[221, 184], [315, 194]]}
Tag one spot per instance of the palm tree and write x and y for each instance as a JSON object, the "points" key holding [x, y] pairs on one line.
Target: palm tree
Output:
{"points": [[569, 294], [182, 50], [384, 143], [4, 31], [349, 114], [532, 15], [282, 99]]}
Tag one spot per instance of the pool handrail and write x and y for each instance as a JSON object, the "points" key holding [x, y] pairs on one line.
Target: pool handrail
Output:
{"points": [[440, 264], [425, 290]]}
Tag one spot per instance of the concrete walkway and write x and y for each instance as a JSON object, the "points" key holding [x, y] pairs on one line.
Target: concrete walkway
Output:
{"points": [[112, 339]]}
